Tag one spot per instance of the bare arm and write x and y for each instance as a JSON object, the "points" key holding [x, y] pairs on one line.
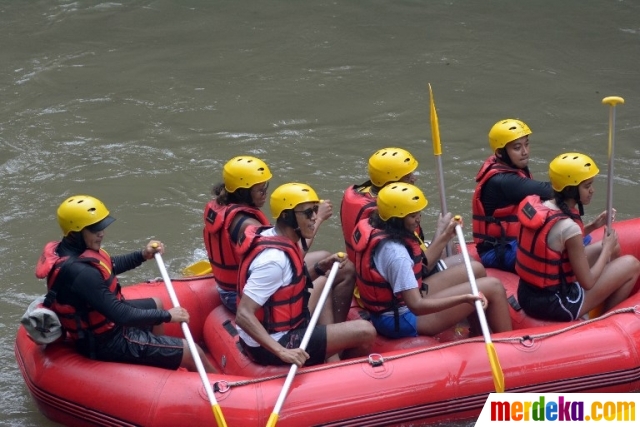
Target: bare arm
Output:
{"points": [[587, 275], [247, 320], [420, 306], [325, 211], [435, 250], [599, 221]]}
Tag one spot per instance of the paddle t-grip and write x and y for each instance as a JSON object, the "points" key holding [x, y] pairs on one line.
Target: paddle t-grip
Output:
{"points": [[613, 100]]}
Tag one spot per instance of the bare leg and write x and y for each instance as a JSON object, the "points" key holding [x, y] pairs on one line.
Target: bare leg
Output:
{"points": [[352, 339], [190, 365], [453, 275], [497, 310], [455, 260], [343, 286], [342, 289], [614, 284], [326, 315]]}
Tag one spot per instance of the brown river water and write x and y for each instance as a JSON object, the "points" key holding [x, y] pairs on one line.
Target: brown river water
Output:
{"points": [[140, 103]]}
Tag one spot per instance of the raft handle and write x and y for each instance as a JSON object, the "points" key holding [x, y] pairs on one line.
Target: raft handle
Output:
{"points": [[221, 386], [527, 341], [376, 359]]}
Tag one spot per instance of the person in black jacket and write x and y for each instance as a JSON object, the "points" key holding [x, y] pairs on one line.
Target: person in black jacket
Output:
{"points": [[502, 182], [85, 293]]}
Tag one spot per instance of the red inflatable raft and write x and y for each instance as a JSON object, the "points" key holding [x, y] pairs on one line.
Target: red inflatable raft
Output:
{"points": [[406, 382]]}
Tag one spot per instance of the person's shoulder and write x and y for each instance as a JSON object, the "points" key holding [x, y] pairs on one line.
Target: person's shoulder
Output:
{"points": [[392, 247], [270, 256]]}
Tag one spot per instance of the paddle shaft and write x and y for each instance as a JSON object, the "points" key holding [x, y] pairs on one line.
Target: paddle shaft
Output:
{"points": [[474, 285], [437, 152], [192, 345], [611, 101], [496, 369], [303, 344]]}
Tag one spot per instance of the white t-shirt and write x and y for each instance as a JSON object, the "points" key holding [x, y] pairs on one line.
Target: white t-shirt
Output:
{"points": [[393, 262], [562, 230], [269, 271]]}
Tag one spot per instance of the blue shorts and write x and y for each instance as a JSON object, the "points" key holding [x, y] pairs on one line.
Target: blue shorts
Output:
{"points": [[386, 325], [229, 299], [490, 258]]}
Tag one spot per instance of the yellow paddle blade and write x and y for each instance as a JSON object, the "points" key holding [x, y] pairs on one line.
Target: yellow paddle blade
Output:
{"points": [[435, 127], [496, 369], [217, 413], [273, 419], [596, 312], [198, 268]]}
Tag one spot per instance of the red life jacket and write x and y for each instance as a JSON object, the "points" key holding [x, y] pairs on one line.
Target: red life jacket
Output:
{"points": [[536, 263], [357, 204], [217, 240], [77, 321], [287, 308], [502, 225], [376, 294]]}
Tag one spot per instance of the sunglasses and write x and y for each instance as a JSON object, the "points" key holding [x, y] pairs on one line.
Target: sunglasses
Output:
{"points": [[310, 212], [262, 190]]}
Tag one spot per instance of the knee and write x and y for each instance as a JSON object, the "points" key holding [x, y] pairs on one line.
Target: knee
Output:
{"points": [[634, 264], [478, 269], [322, 254], [346, 278], [348, 272], [366, 330], [492, 287]]}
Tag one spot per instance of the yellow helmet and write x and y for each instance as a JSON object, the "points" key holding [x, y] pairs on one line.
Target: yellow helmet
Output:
{"points": [[571, 169], [399, 200], [288, 196], [78, 212], [389, 165], [244, 172], [505, 131]]}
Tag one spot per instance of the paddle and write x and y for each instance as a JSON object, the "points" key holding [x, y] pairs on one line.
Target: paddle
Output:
{"points": [[217, 412], [273, 419], [198, 268], [496, 369], [612, 101], [437, 152]]}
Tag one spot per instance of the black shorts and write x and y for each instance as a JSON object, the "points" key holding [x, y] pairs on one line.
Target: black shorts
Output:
{"points": [[139, 345], [559, 306], [316, 348]]}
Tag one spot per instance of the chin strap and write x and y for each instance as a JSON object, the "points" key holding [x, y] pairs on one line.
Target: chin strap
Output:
{"points": [[289, 219], [303, 241]]}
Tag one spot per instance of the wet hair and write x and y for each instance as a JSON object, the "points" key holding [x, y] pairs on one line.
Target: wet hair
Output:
{"points": [[569, 192], [242, 196], [393, 226]]}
